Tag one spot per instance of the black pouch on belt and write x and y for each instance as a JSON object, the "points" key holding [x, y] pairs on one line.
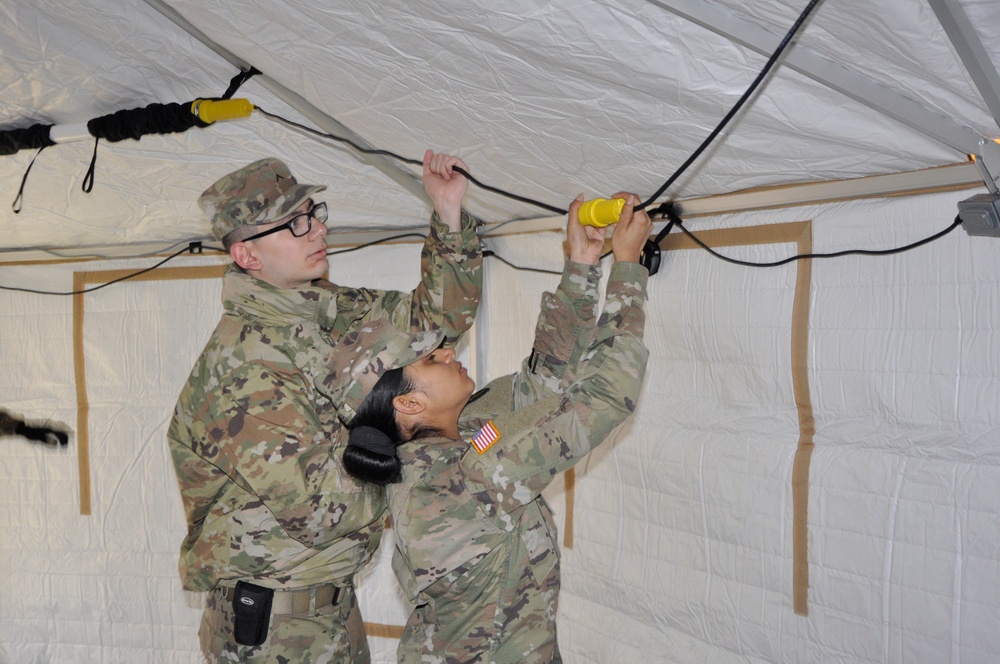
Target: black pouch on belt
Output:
{"points": [[251, 613]]}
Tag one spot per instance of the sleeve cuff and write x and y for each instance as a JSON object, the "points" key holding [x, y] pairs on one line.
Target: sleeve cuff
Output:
{"points": [[577, 278], [466, 231]]}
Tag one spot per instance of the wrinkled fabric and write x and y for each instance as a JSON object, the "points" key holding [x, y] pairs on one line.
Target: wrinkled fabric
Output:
{"points": [[477, 553]]}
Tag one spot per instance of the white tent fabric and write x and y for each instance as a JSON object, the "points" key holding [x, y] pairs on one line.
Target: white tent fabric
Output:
{"points": [[681, 527]]}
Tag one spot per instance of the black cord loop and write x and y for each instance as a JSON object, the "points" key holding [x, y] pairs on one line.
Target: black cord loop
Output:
{"points": [[16, 205]]}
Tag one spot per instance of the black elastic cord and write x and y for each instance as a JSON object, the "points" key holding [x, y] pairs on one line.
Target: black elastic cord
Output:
{"points": [[35, 136], [16, 205], [88, 179], [135, 123]]}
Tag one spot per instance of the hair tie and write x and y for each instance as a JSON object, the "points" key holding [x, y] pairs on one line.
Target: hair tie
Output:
{"points": [[372, 440]]}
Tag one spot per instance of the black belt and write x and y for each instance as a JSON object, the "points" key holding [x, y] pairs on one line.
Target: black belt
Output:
{"points": [[302, 600]]}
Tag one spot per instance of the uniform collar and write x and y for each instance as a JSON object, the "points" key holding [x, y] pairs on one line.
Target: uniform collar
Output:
{"points": [[248, 296]]}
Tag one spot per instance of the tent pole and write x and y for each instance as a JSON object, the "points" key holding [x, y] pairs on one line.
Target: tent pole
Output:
{"points": [[827, 72], [970, 49]]}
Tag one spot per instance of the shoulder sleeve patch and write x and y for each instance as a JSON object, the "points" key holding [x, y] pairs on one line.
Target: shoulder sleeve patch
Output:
{"points": [[488, 435]]}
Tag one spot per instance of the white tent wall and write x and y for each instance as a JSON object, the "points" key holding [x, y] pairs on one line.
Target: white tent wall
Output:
{"points": [[681, 548]]}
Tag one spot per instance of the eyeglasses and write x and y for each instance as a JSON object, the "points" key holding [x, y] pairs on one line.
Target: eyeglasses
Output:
{"points": [[300, 224]]}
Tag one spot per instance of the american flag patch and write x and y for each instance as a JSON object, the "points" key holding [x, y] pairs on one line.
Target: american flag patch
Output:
{"points": [[486, 437]]}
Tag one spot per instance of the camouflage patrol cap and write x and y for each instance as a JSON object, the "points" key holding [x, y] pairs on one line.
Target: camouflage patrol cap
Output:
{"points": [[259, 193], [363, 355]]}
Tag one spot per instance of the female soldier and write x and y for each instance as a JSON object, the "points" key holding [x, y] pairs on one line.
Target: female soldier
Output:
{"points": [[476, 543]]}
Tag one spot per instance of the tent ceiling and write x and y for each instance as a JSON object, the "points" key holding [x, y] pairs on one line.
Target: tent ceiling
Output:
{"points": [[545, 100]]}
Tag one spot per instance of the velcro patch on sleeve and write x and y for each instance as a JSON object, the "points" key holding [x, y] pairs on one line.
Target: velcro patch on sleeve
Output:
{"points": [[486, 437]]}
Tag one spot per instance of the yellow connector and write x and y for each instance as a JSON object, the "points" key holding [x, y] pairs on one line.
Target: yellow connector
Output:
{"points": [[601, 212], [212, 110]]}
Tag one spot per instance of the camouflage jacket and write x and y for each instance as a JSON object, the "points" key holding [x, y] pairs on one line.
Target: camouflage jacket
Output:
{"points": [[256, 447], [476, 543]]}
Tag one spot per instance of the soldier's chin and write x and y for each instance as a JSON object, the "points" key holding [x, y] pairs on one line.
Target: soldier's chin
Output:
{"points": [[322, 269]]}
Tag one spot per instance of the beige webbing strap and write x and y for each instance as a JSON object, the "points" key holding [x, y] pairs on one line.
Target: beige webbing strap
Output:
{"points": [[569, 477], [807, 428], [384, 631], [82, 404], [80, 282], [799, 234]]}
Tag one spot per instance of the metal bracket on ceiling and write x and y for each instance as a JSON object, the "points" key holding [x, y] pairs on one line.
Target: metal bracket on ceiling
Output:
{"points": [[988, 163]]}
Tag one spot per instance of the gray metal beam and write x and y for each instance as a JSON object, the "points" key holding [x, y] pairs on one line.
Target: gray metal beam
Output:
{"points": [[405, 179], [954, 177], [970, 49], [827, 72]]}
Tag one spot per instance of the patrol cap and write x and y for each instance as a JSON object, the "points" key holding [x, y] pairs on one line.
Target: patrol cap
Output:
{"points": [[259, 193], [361, 357]]}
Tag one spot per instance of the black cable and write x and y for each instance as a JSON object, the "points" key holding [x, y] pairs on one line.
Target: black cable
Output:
{"points": [[133, 275], [559, 210], [489, 253], [665, 208], [407, 160], [339, 139], [374, 242], [848, 252], [739, 104]]}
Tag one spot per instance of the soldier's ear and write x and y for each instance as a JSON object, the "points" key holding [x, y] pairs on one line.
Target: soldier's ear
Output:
{"points": [[243, 255], [410, 403]]}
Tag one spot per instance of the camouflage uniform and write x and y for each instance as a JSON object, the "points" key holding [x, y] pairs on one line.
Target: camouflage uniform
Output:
{"points": [[476, 542], [256, 448]]}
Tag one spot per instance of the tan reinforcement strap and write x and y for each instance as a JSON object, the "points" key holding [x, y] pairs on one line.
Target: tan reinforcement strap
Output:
{"points": [[384, 631], [799, 234], [807, 427]]}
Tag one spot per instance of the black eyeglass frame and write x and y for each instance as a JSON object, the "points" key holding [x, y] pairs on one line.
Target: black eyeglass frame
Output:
{"points": [[317, 211]]}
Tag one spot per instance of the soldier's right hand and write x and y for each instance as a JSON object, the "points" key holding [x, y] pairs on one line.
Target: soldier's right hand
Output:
{"points": [[631, 232]]}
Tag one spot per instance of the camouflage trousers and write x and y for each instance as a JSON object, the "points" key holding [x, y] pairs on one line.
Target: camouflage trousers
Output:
{"points": [[333, 634]]}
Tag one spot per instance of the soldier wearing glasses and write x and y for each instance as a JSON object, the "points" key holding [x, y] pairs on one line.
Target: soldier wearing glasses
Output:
{"points": [[276, 527]]}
